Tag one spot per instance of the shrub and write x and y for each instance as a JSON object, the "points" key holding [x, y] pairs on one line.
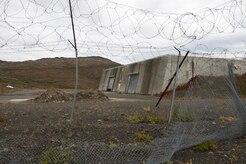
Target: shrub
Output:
{"points": [[144, 118], [58, 156], [156, 119], [142, 137], [206, 146]]}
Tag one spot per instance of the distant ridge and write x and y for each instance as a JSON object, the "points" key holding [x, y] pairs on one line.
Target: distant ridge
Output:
{"points": [[54, 72]]}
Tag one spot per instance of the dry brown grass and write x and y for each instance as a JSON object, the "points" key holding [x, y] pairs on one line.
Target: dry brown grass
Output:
{"points": [[54, 73]]}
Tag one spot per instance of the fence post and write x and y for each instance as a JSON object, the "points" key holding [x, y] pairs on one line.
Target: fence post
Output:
{"points": [[76, 63], [174, 88]]}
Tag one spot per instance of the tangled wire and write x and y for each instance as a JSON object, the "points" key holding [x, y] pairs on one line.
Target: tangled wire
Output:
{"points": [[111, 29]]}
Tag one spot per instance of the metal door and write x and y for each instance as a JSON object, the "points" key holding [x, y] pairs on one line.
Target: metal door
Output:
{"points": [[110, 83], [132, 83]]}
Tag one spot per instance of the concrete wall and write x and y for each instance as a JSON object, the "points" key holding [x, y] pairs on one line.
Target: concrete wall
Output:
{"points": [[111, 72], [154, 74]]}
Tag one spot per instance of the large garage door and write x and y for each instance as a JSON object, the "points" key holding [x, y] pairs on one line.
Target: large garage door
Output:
{"points": [[132, 83], [110, 84]]}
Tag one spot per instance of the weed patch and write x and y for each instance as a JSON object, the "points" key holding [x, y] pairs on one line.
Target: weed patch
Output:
{"points": [[113, 144], [233, 159], [206, 146], [142, 137], [145, 118], [228, 119], [58, 156]]}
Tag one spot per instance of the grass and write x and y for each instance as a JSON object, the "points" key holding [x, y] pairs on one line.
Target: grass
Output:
{"points": [[54, 73], [58, 156], [113, 144], [182, 116], [233, 159], [26, 81], [146, 118], [206, 146], [228, 119], [142, 137]]}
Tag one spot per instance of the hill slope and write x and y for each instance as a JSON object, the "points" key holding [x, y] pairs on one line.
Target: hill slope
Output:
{"points": [[53, 72]]}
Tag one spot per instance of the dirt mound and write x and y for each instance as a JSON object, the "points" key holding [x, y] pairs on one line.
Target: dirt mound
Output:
{"points": [[91, 95], [53, 95], [203, 87], [56, 95]]}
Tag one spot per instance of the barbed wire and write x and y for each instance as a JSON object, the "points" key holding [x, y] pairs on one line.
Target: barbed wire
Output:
{"points": [[112, 29]]}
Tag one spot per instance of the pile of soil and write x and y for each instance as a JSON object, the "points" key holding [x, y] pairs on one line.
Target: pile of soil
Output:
{"points": [[91, 95], [203, 87], [53, 95], [56, 96]]}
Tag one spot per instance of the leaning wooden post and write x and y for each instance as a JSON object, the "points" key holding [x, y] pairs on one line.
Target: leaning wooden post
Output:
{"points": [[170, 81]]}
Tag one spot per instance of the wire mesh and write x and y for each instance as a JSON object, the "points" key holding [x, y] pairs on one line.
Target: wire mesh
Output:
{"points": [[40, 133]]}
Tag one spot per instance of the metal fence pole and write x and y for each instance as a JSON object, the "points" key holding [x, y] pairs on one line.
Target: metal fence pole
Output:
{"points": [[174, 88], [76, 63]]}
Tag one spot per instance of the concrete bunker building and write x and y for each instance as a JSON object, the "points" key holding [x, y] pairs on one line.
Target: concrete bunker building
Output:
{"points": [[151, 76]]}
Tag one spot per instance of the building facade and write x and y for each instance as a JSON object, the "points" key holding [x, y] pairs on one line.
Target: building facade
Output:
{"points": [[151, 76]]}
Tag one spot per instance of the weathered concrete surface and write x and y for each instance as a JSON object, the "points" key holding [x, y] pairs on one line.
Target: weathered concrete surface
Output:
{"points": [[154, 74]]}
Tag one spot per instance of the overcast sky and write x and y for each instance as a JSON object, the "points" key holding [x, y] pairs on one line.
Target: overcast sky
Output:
{"points": [[122, 30]]}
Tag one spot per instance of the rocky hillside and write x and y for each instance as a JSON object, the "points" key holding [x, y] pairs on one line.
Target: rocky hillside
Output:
{"points": [[53, 72]]}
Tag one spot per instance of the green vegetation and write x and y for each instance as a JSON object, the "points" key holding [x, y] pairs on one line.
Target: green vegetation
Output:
{"points": [[142, 137], [233, 159], [113, 144], [228, 118], [182, 117], [206, 146], [58, 156], [146, 118]]}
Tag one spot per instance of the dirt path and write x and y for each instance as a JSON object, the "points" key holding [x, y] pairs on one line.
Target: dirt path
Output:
{"points": [[20, 96]]}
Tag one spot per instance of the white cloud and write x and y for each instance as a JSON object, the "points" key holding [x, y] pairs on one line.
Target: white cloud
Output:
{"points": [[34, 29]]}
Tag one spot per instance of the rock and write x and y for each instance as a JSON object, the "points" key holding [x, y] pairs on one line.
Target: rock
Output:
{"points": [[226, 156]]}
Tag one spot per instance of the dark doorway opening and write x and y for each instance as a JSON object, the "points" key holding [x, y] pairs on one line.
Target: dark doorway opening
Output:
{"points": [[110, 83]]}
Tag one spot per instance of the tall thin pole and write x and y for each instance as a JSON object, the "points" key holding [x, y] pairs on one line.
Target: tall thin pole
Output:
{"points": [[76, 62], [174, 88]]}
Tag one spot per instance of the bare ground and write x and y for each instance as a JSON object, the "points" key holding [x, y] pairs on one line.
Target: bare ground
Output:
{"points": [[28, 129]]}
